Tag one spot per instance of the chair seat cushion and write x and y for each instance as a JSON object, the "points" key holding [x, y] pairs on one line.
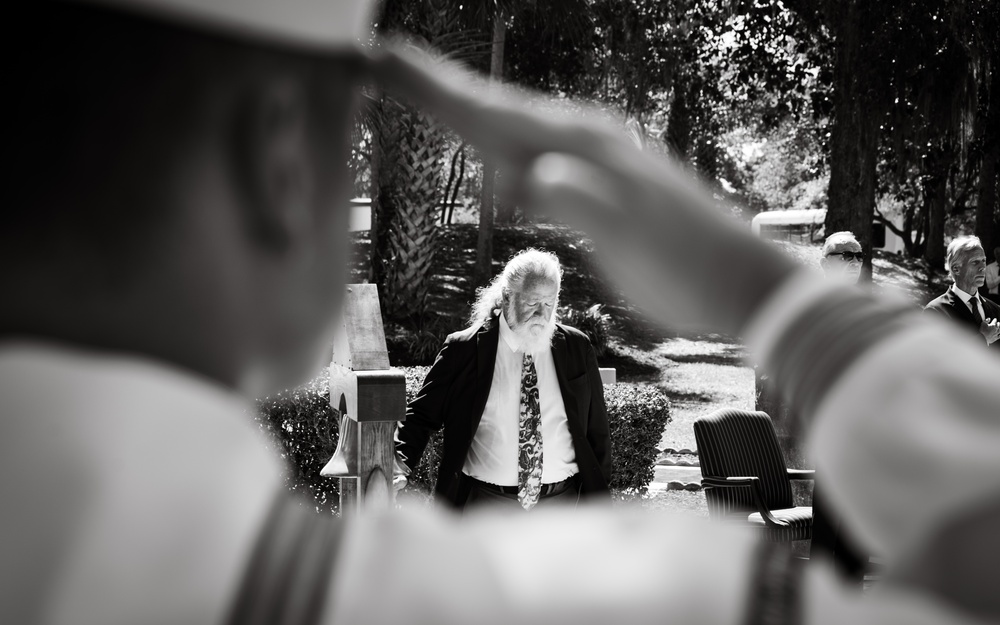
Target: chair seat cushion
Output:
{"points": [[799, 526]]}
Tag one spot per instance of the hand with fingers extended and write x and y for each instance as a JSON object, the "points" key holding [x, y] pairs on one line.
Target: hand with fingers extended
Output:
{"points": [[660, 236]]}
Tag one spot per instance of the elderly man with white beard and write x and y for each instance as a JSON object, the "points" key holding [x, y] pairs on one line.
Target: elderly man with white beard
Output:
{"points": [[519, 397]]}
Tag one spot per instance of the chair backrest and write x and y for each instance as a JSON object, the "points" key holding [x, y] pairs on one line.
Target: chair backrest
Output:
{"points": [[740, 443]]}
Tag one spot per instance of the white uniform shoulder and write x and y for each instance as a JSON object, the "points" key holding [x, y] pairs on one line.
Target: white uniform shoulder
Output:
{"points": [[147, 485]]}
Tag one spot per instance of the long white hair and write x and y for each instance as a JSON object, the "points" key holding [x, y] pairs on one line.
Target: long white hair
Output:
{"points": [[529, 262]]}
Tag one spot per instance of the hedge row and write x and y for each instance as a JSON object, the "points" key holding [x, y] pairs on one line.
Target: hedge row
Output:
{"points": [[305, 429]]}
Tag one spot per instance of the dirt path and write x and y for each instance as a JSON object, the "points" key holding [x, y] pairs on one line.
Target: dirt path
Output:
{"points": [[700, 374]]}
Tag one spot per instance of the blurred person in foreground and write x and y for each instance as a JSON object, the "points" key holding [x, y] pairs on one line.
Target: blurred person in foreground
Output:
{"points": [[841, 263], [175, 244], [519, 397], [992, 283], [966, 262]]}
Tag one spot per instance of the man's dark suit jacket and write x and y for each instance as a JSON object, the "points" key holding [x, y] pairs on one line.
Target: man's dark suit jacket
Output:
{"points": [[951, 306], [454, 396]]}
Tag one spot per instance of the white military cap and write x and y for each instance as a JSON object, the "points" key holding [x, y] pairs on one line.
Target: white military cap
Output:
{"points": [[317, 25]]}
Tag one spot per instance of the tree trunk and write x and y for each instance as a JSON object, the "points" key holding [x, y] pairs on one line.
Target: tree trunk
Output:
{"points": [[378, 234], [989, 175], [934, 251], [854, 135], [447, 187], [413, 233], [937, 164], [385, 144], [458, 184], [484, 245], [504, 209], [374, 253], [679, 123], [986, 205]]}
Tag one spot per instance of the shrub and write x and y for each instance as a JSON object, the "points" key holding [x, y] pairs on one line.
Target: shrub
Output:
{"points": [[305, 430], [637, 414], [306, 427], [591, 322]]}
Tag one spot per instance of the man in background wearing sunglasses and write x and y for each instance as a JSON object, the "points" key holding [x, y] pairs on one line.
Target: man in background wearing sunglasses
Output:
{"points": [[842, 258]]}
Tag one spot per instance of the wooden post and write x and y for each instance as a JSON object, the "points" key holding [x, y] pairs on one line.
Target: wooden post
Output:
{"points": [[371, 398]]}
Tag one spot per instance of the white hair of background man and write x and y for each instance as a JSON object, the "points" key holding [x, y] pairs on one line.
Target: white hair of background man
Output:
{"points": [[530, 262], [838, 238], [958, 253]]}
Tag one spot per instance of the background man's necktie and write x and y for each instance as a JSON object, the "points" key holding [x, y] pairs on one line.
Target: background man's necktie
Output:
{"points": [[974, 302], [529, 439]]}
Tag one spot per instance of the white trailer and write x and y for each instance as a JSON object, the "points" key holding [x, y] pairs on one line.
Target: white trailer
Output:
{"points": [[806, 226]]}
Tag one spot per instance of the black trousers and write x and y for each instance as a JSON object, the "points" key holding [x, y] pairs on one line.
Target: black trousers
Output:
{"points": [[482, 495]]}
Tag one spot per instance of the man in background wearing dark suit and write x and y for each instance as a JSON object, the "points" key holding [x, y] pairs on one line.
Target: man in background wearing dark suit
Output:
{"points": [[961, 302], [519, 397]]}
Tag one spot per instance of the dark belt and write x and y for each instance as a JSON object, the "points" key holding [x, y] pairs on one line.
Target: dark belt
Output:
{"points": [[547, 490]]}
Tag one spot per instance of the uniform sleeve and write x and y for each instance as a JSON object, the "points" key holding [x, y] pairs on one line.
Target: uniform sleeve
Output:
{"points": [[904, 413]]}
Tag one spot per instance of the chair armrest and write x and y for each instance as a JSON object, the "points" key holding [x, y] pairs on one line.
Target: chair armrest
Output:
{"points": [[728, 482], [753, 483], [801, 474]]}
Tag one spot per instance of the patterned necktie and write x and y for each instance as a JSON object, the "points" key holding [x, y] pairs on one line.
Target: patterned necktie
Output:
{"points": [[529, 438]]}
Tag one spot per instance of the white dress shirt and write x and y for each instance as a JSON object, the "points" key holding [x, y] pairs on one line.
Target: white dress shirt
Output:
{"points": [[493, 454]]}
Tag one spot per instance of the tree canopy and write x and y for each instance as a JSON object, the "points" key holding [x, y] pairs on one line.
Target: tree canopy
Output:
{"points": [[882, 110]]}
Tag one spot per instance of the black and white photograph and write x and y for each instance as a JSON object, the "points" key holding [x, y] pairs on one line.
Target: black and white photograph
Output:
{"points": [[512, 312]]}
